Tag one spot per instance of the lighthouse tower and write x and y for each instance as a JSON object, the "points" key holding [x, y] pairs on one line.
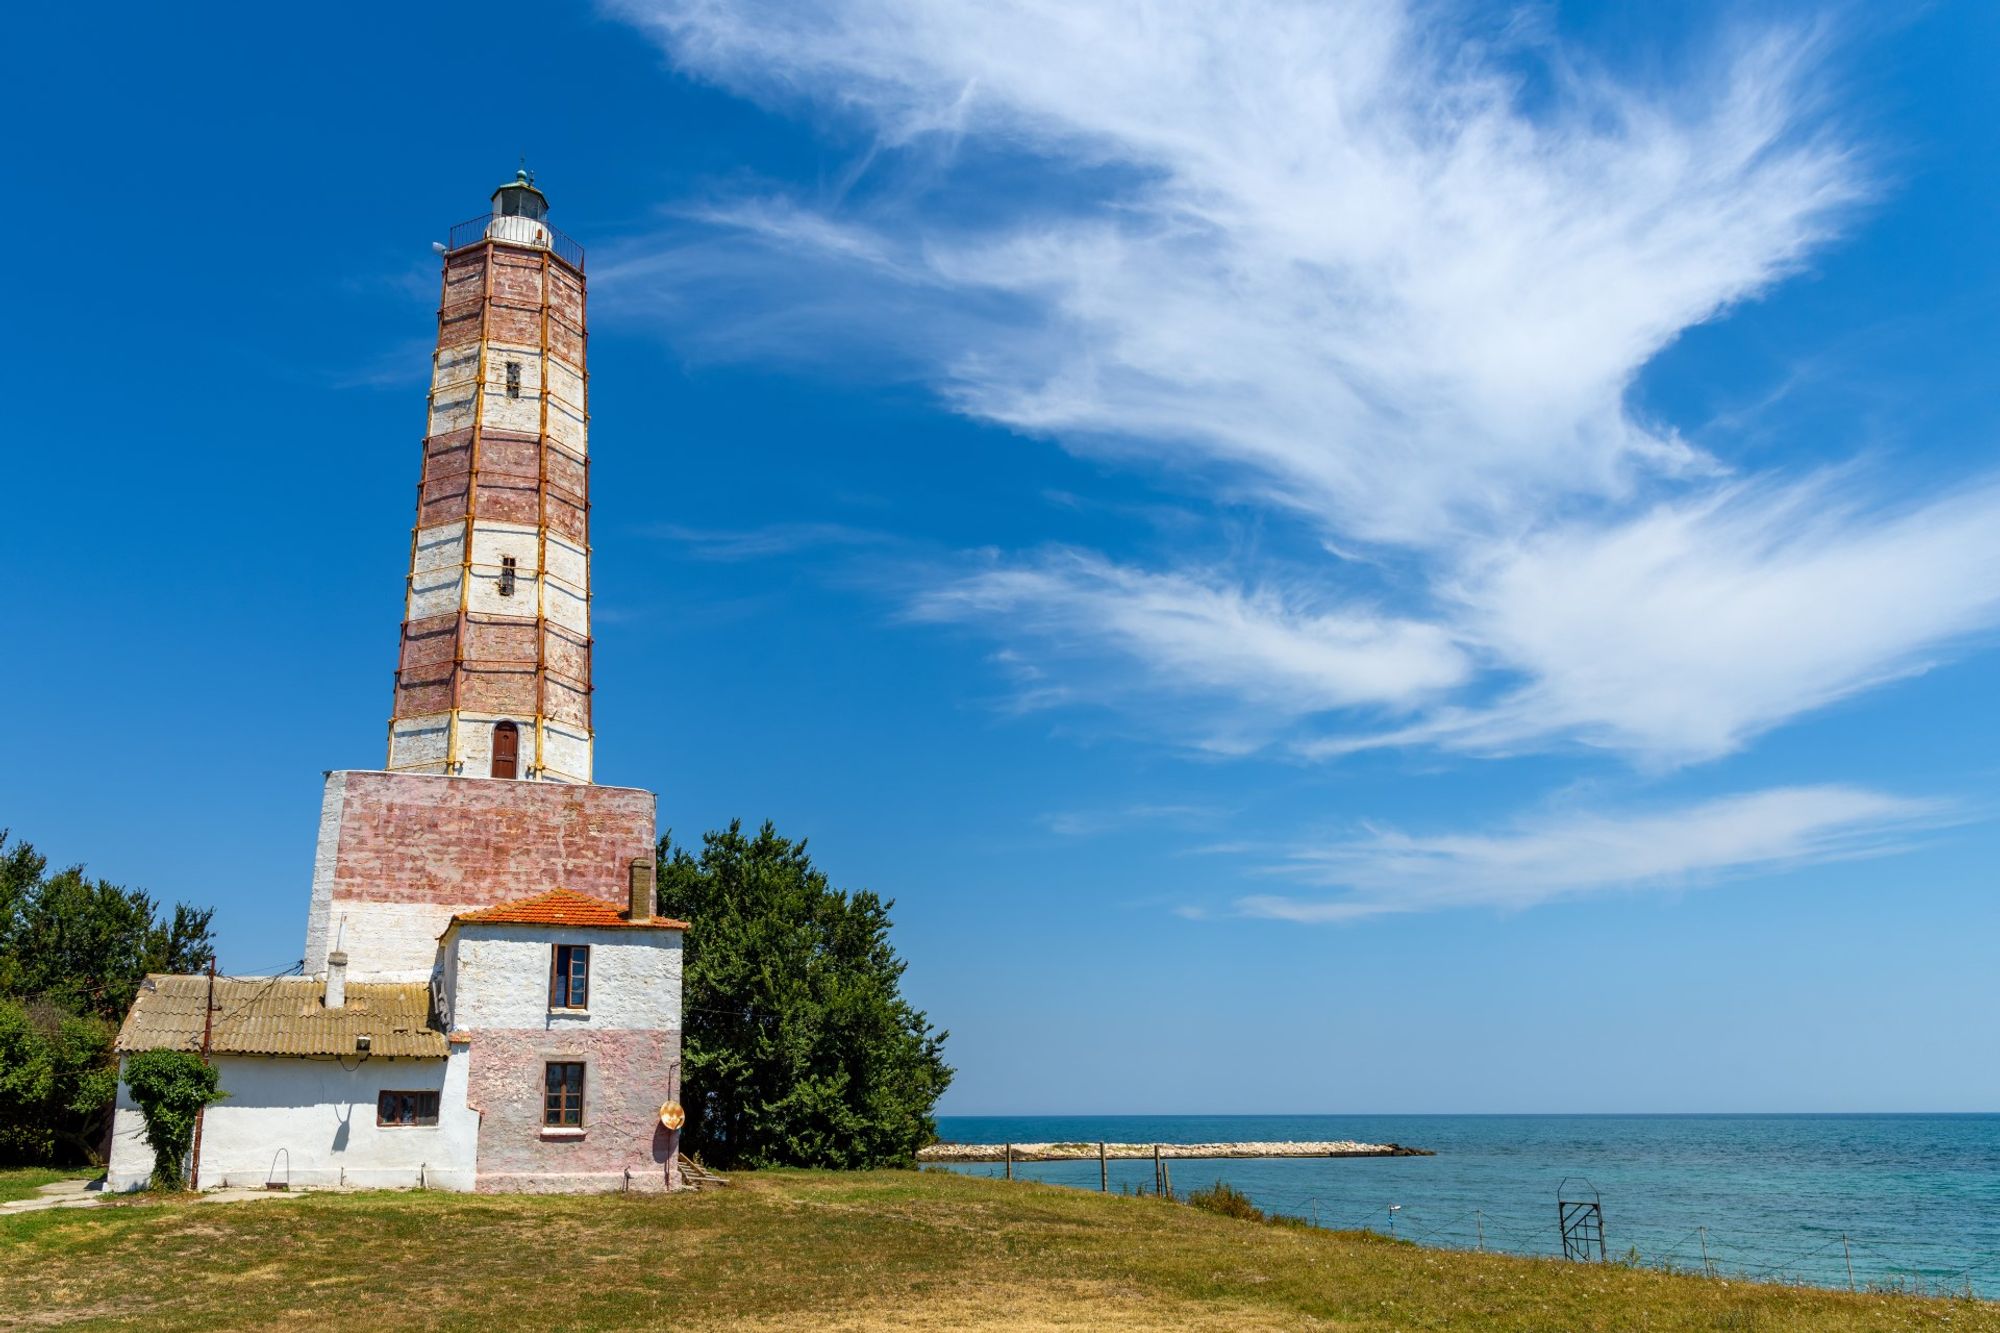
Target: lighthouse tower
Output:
{"points": [[484, 961], [488, 794], [493, 679]]}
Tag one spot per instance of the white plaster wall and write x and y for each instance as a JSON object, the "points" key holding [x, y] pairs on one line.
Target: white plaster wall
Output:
{"points": [[569, 563], [522, 414], [392, 941], [568, 607], [131, 1164], [419, 740], [455, 367], [434, 570], [444, 986], [418, 745], [566, 424], [503, 978], [453, 385], [326, 852], [437, 548], [566, 751], [499, 353], [475, 743], [491, 542], [565, 386], [312, 1122]]}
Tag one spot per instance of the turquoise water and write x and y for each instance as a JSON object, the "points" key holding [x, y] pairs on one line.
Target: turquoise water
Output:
{"points": [[1916, 1196]]}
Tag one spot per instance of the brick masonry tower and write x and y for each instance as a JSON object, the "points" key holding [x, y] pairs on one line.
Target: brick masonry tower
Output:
{"points": [[488, 794], [493, 679]]}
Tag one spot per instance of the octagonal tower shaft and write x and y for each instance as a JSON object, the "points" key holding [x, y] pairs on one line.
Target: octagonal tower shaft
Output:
{"points": [[493, 679]]}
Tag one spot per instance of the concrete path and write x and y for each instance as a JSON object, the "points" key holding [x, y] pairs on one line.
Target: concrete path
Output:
{"points": [[62, 1194], [90, 1193]]}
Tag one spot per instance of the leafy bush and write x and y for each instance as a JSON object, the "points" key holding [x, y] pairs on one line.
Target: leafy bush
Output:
{"points": [[799, 1049], [1227, 1200], [57, 1080], [170, 1087]]}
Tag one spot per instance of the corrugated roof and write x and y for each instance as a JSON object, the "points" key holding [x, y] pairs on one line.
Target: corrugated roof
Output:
{"points": [[563, 907], [283, 1016]]}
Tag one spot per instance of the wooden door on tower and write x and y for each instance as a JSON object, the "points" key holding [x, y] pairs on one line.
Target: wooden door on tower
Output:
{"points": [[506, 750]]}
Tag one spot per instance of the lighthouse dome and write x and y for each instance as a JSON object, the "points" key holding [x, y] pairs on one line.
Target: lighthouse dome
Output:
{"points": [[520, 212]]}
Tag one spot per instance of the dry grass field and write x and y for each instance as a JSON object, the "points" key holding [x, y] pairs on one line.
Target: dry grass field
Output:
{"points": [[809, 1250]]}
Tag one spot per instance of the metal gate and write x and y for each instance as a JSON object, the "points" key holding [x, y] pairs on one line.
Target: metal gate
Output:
{"points": [[1580, 1219]]}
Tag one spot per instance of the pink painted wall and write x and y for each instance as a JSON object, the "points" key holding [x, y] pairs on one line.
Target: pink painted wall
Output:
{"points": [[418, 838], [629, 1073], [399, 853]]}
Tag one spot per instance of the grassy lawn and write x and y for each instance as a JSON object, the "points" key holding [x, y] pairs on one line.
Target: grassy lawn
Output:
{"points": [[794, 1250], [21, 1182]]}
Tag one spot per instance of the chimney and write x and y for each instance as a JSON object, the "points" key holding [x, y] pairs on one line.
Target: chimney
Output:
{"points": [[336, 979], [642, 891]]}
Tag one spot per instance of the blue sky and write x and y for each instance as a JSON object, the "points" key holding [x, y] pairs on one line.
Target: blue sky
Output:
{"points": [[1374, 558]]}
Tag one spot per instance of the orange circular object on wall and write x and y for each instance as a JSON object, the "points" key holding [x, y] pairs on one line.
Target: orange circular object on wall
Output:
{"points": [[671, 1115]]}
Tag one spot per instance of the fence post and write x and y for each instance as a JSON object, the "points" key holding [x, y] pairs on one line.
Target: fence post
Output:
{"points": [[1010, 1161], [1847, 1255], [1103, 1171], [1479, 1221], [1706, 1271], [1156, 1168]]}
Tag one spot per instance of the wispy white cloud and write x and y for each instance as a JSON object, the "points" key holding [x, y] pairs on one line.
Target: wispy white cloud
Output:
{"points": [[1682, 632], [1687, 629], [1260, 646], [1354, 265], [1573, 853], [1325, 242], [1094, 822], [767, 542]]}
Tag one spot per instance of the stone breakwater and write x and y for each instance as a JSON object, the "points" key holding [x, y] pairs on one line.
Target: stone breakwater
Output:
{"points": [[1080, 1152]]}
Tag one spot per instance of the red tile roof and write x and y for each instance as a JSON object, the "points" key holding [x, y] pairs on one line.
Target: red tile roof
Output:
{"points": [[562, 907]]}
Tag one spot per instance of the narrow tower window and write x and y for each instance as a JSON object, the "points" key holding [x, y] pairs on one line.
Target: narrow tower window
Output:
{"points": [[513, 379], [506, 576], [506, 750]]}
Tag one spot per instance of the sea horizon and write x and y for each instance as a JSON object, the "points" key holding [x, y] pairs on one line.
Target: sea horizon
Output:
{"points": [[1894, 1199], [1419, 1115]]}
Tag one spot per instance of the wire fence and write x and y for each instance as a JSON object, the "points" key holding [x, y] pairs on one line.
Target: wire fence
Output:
{"points": [[1829, 1256]]}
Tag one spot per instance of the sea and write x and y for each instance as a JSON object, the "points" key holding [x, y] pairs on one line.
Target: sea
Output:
{"points": [[1896, 1202]]}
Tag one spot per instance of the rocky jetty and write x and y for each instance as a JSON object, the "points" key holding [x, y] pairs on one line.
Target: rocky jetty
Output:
{"points": [[1078, 1152]]}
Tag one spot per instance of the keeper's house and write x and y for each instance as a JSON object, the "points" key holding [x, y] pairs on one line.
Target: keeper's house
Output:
{"points": [[488, 1000]]}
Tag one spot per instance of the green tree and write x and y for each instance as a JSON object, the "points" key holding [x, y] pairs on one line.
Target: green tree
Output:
{"points": [[170, 1088], [21, 869], [58, 1077], [798, 1048], [73, 951], [86, 944]]}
